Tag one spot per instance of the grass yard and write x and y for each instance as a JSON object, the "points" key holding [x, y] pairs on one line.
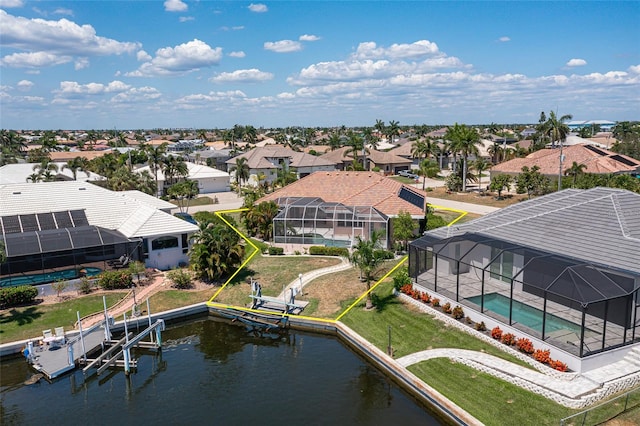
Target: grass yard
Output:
{"points": [[199, 201], [488, 199], [29, 321]]}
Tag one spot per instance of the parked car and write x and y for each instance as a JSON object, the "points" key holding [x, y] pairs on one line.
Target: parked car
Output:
{"points": [[408, 174]]}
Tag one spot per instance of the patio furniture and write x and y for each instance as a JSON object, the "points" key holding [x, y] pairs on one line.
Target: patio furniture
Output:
{"points": [[60, 333]]}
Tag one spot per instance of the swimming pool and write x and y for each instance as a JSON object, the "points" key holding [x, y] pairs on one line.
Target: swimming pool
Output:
{"points": [[49, 277], [525, 314]]}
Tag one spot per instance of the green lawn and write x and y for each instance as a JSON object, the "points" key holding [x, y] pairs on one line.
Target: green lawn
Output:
{"points": [[27, 322]]}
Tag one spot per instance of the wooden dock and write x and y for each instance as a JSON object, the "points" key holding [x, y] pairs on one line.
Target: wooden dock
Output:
{"points": [[55, 362]]}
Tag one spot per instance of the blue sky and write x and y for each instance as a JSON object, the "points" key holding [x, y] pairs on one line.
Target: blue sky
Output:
{"points": [[210, 64]]}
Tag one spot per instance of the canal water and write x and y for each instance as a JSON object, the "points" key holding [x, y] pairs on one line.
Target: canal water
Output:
{"points": [[212, 372]]}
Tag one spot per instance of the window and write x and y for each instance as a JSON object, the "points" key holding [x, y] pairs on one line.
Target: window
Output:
{"points": [[185, 243], [163, 243], [502, 267]]}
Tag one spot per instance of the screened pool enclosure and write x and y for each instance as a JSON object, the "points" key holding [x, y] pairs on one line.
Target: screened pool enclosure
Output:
{"points": [[307, 220], [45, 246], [580, 307]]}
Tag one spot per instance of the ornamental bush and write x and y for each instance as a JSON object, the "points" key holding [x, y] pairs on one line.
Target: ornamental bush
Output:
{"points": [[113, 280], [496, 333], [457, 312], [328, 251], [524, 345], [481, 326], [558, 365], [435, 302], [276, 251], [508, 339], [15, 296], [446, 308], [180, 278], [542, 356]]}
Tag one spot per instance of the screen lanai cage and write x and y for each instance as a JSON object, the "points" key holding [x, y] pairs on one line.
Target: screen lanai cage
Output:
{"points": [[580, 307], [53, 246], [308, 220]]}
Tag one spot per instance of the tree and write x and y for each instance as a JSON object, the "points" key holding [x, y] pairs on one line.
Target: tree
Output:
{"points": [[531, 181], [242, 171], [403, 228], [480, 166], [3, 253], [75, 164], [155, 159], [499, 183], [12, 147], [368, 257], [334, 141], [558, 130], [356, 146], [173, 169], [259, 219], [464, 140], [216, 251], [184, 192], [46, 170], [428, 169], [59, 287], [575, 170], [392, 130]]}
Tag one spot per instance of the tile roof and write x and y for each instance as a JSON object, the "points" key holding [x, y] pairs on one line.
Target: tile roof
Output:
{"points": [[596, 160], [599, 225], [353, 189], [132, 216], [267, 158]]}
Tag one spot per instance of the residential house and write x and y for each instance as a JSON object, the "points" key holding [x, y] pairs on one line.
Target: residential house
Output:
{"points": [[209, 180], [387, 162]]}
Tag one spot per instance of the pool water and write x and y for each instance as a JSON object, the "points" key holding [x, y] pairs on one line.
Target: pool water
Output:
{"points": [[525, 314], [36, 279]]}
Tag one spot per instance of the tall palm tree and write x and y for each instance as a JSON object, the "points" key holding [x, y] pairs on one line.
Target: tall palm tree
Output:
{"points": [[356, 149], [173, 169], [558, 131], [393, 130], [75, 164], [575, 170], [428, 169], [46, 169], [380, 127], [242, 171], [368, 257], [334, 141], [464, 140], [12, 147], [481, 165], [155, 158]]}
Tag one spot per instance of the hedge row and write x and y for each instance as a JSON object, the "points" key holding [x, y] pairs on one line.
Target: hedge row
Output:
{"points": [[15, 296], [114, 280], [329, 251]]}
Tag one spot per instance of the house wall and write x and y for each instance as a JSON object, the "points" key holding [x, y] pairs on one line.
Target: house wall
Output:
{"points": [[213, 184], [164, 258]]}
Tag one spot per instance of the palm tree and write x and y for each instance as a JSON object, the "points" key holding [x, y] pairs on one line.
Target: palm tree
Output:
{"points": [[368, 256], [481, 165], [356, 146], [334, 141], [46, 170], [242, 171], [393, 130], [173, 169], [155, 158], [380, 127], [463, 140], [428, 169], [12, 146], [77, 163], [558, 131], [575, 170], [250, 134]]}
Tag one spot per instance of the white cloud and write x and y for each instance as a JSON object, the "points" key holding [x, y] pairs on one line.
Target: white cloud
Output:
{"points": [[175, 6], [417, 49], [143, 56], [11, 3], [283, 46], [34, 60], [135, 95], [81, 63], [242, 76], [634, 69], [25, 85], [180, 59], [58, 38], [576, 63], [238, 54], [62, 11], [308, 37], [74, 88], [504, 39], [186, 18], [258, 7]]}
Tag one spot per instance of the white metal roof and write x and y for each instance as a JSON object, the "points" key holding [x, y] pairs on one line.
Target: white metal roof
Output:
{"points": [[132, 216]]}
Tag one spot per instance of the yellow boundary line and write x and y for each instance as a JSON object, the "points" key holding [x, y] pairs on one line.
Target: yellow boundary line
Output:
{"points": [[213, 304]]}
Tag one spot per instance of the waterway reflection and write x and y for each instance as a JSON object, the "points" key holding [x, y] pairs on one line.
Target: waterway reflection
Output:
{"points": [[212, 372]]}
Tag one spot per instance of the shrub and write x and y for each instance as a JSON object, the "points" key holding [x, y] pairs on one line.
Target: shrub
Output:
{"points": [[446, 308], [496, 333], [457, 312], [59, 286], [384, 254], [85, 286], [407, 289], [558, 365], [425, 298], [415, 294], [508, 339], [401, 278], [328, 251], [468, 320], [435, 302], [276, 251], [112, 280], [180, 278], [542, 356], [15, 296], [480, 326], [524, 345]]}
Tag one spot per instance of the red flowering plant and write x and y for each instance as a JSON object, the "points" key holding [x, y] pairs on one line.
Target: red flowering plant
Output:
{"points": [[508, 339], [496, 333], [542, 356], [524, 345]]}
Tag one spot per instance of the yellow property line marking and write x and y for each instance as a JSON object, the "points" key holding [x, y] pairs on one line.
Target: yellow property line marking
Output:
{"points": [[211, 302]]}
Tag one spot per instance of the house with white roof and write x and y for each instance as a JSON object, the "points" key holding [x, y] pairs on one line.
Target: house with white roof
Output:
{"points": [[209, 180], [22, 172], [52, 227]]}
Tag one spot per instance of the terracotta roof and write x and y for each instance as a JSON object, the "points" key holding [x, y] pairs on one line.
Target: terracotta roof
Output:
{"points": [[353, 189], [70, 155], [596, 160]]}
